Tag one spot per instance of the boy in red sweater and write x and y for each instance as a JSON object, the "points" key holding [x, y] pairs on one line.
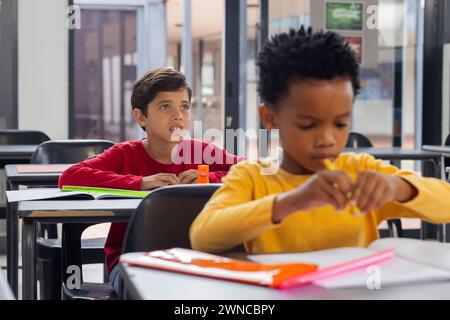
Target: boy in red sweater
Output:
{"points": [[160, 102]]}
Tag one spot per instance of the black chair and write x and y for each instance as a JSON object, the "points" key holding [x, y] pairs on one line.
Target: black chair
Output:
{"points": [[49, 250], [22, 137], [358, 140], [161, 221], [68, 151], [442, 231], [446, 159]]}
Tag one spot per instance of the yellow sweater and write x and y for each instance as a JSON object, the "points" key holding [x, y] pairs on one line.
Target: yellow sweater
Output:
{"points": [[241, 211]]}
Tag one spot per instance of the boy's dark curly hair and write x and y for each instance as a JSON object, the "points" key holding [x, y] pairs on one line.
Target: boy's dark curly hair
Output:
{"points": [[304, 54]]}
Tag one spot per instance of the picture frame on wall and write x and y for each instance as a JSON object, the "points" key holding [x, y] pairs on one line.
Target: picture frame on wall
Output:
{"points": [[344, 16]]}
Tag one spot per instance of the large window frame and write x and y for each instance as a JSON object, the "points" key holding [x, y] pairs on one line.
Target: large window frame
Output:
{"points": [[142, 21]]}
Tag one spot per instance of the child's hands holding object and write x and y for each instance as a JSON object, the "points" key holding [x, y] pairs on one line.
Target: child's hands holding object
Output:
{"points": [[165, 179], [159, 180], [188, 176], [370, 191]]}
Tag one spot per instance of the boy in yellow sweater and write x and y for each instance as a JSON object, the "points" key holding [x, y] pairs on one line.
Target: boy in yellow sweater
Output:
{"points": [[308, 83]]}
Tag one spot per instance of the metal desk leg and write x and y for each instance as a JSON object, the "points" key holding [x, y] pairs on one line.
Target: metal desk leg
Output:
{"points": [[12, 242], [423, 230], [12, 239], [29, 285], [441, 234], [431, 230]]}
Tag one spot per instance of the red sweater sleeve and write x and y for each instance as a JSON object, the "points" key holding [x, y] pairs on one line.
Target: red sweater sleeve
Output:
{"points": [[101, 171]]}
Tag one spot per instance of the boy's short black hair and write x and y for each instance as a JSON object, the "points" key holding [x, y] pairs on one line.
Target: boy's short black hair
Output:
{"points": [[162, 79], [302, 54]]}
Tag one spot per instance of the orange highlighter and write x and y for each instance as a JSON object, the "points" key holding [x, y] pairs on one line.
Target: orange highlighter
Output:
{"points": [[203, 173], [353, 209]]}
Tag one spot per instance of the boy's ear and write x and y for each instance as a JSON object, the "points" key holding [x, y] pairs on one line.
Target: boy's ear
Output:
{"points": [[139, 117], [268, 117]]}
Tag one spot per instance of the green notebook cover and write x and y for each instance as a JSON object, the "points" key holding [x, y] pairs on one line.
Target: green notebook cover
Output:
{"points": [[107, 191]]}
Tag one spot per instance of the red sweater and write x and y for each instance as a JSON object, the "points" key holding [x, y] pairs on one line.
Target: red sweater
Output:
{"points": [[123, 166]]}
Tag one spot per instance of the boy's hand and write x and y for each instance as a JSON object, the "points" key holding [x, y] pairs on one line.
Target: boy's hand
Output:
{"points": [[159, 180], [188, 176], [323, 188], [372, 190]]}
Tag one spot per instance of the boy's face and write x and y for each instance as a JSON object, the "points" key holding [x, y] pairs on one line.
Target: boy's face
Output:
{"points": [[169, 112], [313, 119]]}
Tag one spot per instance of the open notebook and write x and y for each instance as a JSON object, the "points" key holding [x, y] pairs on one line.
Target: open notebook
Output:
{"points": [[73, 193]]}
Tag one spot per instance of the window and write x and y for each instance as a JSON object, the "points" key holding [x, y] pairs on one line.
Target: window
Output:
{"points": [[105, 61]]}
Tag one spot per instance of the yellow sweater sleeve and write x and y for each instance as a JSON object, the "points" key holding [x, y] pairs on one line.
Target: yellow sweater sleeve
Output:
{"points": [[232, 216], [432, 202]]}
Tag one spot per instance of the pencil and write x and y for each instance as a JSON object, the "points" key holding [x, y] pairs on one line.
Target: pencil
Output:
{"points": [[330, 166]]}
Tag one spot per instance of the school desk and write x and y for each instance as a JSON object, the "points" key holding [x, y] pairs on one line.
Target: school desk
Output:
{"points": [[151, 284], [60, 211], [13, 180], [16, 153]]}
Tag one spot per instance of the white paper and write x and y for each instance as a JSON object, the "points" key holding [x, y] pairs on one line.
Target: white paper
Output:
{"points": [[428, 252], [37, 193], [394, 271]]}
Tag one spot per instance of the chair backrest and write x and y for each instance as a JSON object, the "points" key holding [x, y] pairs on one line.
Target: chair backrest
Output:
{"points": [[21, 137], [447, 160], [164, 217], [358, 140], [68, 151]]}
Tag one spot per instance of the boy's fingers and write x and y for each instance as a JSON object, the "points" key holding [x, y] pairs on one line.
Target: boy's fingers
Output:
{"points": [[192, 178], [159, 184], [189, 178], [181, 176], [170, 179], [360, 182], [374, 198], [338, 199], [184, 174], [341, 179], [383, 197], [345, 182], [367, 193]]}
